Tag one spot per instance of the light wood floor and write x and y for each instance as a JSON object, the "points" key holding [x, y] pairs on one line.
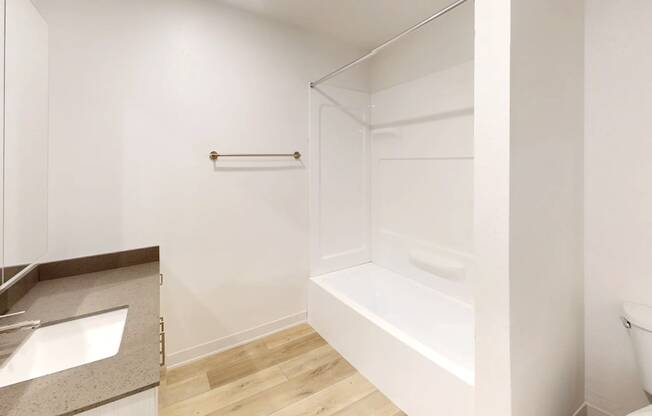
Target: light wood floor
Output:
{"points": [[290, 373]]}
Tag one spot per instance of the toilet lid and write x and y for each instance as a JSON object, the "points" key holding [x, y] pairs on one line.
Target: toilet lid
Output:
{"points": [[647, 411], [638, 315]]}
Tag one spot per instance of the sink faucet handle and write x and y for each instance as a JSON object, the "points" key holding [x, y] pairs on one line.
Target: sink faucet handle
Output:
{"points": [[11, 315]]}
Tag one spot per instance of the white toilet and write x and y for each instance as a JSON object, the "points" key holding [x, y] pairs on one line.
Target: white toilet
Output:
{"points": [[638, 319]]}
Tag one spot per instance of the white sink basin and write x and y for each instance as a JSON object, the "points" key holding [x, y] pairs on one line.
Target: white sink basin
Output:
{"points": [[65, 345]]}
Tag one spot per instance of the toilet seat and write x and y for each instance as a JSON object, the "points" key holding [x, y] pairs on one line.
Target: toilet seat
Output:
{"points": [[638, 315], [646, 411]]}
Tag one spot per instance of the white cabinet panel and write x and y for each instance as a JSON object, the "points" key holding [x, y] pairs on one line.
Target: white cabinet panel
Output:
{"points": [[141, 404]]}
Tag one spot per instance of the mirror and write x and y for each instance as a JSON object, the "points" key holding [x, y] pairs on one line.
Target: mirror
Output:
{"points": [[26, 119]]}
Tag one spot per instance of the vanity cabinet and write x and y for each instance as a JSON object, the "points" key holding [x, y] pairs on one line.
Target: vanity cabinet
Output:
{"points": [[141, 404]]}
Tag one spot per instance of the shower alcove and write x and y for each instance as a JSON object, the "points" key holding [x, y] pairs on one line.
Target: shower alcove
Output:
{"points": [[391, 168]]}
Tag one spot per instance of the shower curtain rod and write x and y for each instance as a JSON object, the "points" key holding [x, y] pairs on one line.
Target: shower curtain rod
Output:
{"points": [[386, 44]]}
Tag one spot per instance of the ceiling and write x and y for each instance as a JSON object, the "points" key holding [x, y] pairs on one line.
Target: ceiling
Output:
{"points": [[363, 23]]}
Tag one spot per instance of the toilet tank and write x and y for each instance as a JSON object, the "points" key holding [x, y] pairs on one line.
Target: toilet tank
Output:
{"points": [[639, 320]]}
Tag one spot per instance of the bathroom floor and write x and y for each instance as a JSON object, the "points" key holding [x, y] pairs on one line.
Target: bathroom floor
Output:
{"points": [[293, 372]]}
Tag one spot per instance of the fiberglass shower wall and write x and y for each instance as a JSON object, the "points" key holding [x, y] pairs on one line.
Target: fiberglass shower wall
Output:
{"points": [[339, 171], [392, 160]]}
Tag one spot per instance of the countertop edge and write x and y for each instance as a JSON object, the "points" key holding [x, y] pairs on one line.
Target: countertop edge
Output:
{"points": [[111, 400], [108, 380]]}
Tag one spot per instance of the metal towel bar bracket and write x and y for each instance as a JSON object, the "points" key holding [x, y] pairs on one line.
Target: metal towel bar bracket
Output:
{"points": [[214, 155]]}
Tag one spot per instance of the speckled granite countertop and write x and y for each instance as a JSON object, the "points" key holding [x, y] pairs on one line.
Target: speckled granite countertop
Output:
{"points": [[134, 369]]}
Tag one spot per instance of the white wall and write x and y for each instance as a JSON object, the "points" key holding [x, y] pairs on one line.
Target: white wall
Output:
{"points": [[493, 384], [618, 201], [141, 91], [2, 127], [25, 204], [438, 46], [529, 132], [546, 266]]}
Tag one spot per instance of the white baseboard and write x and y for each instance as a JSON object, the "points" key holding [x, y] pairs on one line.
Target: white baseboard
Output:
{"points": [[588, 410], [595, 411], [582, 411], [188, 355]]}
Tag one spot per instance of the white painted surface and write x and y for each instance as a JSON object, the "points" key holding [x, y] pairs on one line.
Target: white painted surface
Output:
{"points": [[445, 43], [2, 126], [529, 131], [58, 347], [26, 134], [490, 275], [546, 215], [413, 343], [141, 404], [618, 222], [196, 352], [366, 23], [141, 91]]}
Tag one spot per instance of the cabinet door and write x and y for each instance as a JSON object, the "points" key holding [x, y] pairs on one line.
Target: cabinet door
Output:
{"points": [[141, 404]]}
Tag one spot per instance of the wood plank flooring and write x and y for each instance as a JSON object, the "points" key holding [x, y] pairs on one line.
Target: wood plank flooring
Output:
{"points": [[290, 373]]}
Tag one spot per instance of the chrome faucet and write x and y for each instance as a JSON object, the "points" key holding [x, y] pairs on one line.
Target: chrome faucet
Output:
{"points": [[18, 325]]}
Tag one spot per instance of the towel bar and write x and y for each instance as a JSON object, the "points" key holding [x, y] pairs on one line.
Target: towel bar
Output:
{"points": [[214, 155]]}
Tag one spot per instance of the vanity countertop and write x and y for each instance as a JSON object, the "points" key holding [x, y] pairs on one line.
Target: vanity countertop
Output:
{"points": [[135, 368]]}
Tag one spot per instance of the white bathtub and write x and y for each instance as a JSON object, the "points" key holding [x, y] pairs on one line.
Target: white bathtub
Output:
{"points": [[413, 343]]}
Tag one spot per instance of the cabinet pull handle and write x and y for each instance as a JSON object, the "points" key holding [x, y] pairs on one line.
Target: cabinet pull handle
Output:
{"points": [[162, 341]]}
